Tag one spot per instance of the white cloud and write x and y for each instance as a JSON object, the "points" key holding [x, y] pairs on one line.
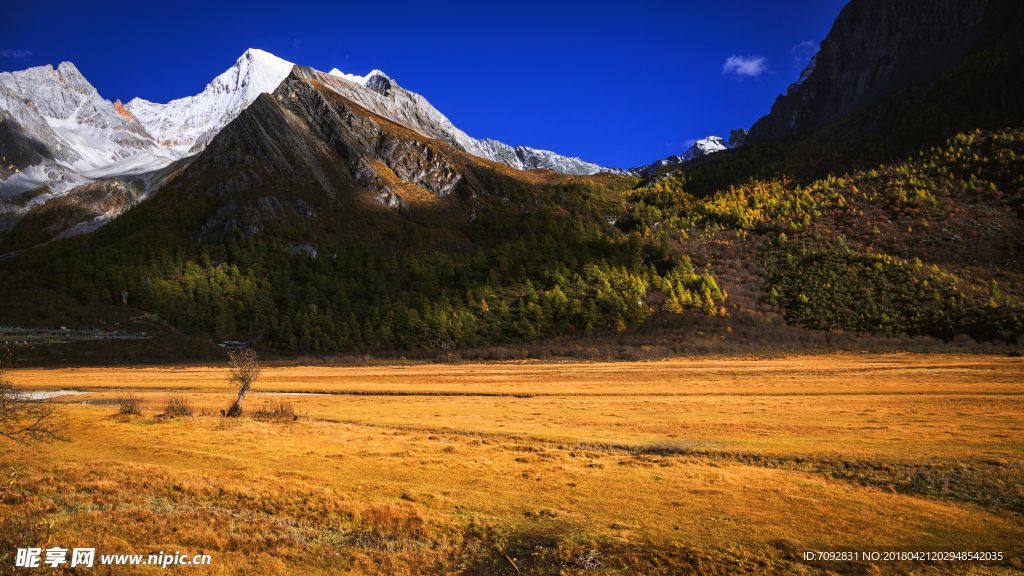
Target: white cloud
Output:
{"points": [[750, 66], [296, 42], [803, 47], [690, 142], [802, 52], [19, 54]]}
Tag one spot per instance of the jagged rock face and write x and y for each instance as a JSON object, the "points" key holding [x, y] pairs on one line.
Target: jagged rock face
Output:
{"points": [[380, 84], [500, 152], [382, 95], [874, 47], [737, 137], [308, 139], [804, 75]]}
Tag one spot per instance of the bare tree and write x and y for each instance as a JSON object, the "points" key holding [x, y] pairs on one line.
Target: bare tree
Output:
{"points": [[245, 369], [23, 418]]}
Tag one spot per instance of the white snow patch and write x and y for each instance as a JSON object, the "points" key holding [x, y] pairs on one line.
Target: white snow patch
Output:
{"points": [[58, 177], [100, 148], [148, 160], [28, 179]]}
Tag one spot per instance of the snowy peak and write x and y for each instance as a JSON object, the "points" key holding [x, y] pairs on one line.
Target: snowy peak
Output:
{"points": [[699, 149], [525, 158], [705, 147], [188, 124], [85, 137], [361, 80], [253, 74]]}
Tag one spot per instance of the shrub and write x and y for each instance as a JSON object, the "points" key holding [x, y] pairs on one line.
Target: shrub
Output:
{"points": [[274, 410], [178, 405], [129, 403]]}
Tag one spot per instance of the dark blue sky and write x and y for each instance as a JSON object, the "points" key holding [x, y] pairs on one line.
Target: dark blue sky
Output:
{"points": [[618, 83]]}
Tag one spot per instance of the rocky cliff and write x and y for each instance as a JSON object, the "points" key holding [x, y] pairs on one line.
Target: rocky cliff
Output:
{"points": [[874, 48]]}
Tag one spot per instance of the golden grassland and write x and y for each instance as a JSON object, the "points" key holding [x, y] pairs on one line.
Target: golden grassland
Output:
{"points": [[718, 466]]}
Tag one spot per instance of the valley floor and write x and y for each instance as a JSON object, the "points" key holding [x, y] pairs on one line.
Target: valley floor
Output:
{"points": [[716, 466]]}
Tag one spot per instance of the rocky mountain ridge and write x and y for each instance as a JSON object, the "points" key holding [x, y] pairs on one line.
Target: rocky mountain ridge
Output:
{"points": [[308, 149], [396, 103]]}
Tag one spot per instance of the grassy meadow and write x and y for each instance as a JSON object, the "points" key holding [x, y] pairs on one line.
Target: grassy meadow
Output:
{"points": [[679, 466]]}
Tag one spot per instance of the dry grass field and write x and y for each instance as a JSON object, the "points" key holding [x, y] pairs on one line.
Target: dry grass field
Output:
{"points": [[673, 467]]}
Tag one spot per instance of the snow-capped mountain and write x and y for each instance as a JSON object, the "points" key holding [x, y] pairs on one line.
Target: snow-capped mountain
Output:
{"points": [[64, 134], [67, 135], [66, 145], [70, 149], [700, 148], [187, 125]]}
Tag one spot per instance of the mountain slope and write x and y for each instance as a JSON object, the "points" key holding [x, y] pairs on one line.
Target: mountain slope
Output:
{"points": [[314, 223], [417, 243]]}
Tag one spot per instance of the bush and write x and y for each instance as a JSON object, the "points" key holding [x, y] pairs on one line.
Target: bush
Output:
{"points": [[178, 405], [274, 410], [129, 404]]}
